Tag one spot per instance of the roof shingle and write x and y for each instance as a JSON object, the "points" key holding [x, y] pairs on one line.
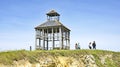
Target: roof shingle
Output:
{"points": [[50, 24]]}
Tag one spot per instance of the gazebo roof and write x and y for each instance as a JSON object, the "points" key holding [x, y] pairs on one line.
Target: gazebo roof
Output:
{"points": [[53, 13], [48, 23]]}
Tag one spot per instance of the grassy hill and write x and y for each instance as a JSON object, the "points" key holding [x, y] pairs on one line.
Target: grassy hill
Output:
{"points": [[60, 58]]}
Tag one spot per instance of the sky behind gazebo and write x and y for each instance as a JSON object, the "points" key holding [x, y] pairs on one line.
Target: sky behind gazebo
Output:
{"points": [[88, 20]]}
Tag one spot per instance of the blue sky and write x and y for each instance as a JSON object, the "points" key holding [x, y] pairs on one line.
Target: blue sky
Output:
{"points": [[89, 20]]}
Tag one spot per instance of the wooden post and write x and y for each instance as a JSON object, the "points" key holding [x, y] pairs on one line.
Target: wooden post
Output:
{"points": [[39, 39], [43, 39], [47, 39], [62, 42], [66, 40], [36, 39], [60, 38], [53, 37], [69, 39], [39, 43], [57, 34]]}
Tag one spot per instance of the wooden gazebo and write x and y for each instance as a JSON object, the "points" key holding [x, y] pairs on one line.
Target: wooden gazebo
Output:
{"points": [[52, 34]]}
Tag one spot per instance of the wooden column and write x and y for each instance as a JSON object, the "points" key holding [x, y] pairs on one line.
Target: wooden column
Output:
{"points": [[43, 39], [57, 34], [39, 39], [60, 38], [62, 31], [47, 39], [35, 43], [69, 39], [50, 36], [39, 43], [66, 39], [53, 37], [36, 39]]}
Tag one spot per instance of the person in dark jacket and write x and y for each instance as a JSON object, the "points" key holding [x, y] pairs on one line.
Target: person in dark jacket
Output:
{"points": [[94, 45]]}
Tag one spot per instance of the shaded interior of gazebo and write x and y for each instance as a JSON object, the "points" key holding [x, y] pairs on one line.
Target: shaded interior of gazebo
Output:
{"points": [[52, 34]]}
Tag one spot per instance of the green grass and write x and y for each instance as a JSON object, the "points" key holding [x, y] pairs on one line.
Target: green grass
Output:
{"points": [[8, 57]]}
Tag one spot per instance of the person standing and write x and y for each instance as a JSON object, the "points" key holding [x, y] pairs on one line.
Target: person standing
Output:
{"points": [[76, 46], [94, 45], [90, 46]]}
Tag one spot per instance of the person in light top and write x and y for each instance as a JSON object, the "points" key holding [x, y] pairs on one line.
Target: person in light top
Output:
{"points": [[90, 47]]}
